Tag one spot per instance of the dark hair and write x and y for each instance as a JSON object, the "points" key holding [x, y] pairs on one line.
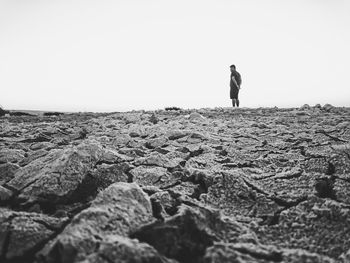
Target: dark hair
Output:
{"points": [[233, 66]]}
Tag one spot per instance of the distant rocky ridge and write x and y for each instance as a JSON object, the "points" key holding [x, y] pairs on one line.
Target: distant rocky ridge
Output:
{"points": [[207, 185]]}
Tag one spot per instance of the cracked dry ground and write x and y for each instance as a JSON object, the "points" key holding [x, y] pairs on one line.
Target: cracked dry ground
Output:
{"points": [[209, 185]]}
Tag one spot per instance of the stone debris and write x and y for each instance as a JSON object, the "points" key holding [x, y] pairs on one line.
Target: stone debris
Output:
{"points": [[22, 233], [176, 185], [116, 212]]}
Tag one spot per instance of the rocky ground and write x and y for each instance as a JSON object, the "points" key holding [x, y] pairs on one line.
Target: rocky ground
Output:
{"points": [[209, 185]]}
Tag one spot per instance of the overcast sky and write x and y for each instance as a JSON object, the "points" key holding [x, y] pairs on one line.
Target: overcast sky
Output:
{"points": [[110, 55]]}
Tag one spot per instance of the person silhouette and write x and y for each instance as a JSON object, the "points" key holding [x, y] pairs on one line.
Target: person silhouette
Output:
{"points": [[235, 85]]}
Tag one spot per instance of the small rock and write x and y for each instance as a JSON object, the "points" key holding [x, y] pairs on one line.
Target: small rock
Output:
{"points": [[196, 116], [106, 174], [166, 201], [328, 107], [150, 189], [177, 134], [134, 134], [121, 140], [324, 188], [145, 175], [111, 156], [305, 107], [42, 145], [156, 159], [153, 119], [156, 142]]}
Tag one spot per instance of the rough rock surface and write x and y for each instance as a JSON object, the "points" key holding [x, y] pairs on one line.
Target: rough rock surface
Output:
{"points": [[113, 215], [207, 185], [22, 233]]}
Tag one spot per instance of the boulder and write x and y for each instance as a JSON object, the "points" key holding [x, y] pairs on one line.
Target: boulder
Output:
{"points": [[22, 234], [11, 155], [117, 211], [55, 177], [186, 235]]}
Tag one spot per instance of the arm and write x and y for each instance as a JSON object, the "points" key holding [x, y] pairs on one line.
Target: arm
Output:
{"points": [[234, 81], [239, 80]]}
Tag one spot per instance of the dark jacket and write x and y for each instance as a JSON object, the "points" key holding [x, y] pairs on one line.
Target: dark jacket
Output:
{"points": [[237, 77]]}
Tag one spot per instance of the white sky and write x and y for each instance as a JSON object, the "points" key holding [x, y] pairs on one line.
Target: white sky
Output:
{"points": [[110, 55]]}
